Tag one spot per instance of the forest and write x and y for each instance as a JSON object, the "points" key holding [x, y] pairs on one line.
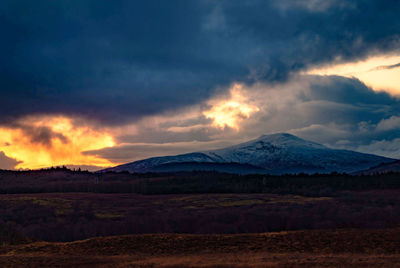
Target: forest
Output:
{"points": [[63, 180]]}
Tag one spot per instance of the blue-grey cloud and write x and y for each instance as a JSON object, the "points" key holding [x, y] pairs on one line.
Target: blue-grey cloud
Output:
{"points": [[116, 61], [386, 67]]}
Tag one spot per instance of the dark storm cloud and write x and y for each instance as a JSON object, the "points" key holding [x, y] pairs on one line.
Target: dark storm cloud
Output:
{"points": [[116, 61], [39, 134], [7, 162], [387, 67], [43, 135], [354, 100]]}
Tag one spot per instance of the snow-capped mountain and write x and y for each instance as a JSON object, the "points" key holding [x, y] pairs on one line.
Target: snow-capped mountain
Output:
{"points": [[275, 154]]}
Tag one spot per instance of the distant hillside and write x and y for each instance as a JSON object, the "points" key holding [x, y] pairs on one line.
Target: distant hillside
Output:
{"points": [[382, 168], [235, 168], [274, 154]]}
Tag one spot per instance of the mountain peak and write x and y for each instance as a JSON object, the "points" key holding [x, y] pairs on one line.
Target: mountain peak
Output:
{"points": [[286, 140], [277, 153], [279, 135]]}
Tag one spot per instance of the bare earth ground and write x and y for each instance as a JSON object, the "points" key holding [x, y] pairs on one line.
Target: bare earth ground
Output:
{"points": [[313, 248]]}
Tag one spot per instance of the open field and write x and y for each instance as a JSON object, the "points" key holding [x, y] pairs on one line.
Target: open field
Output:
{"points": [[198, 220], [75, 216], [329, 248]]}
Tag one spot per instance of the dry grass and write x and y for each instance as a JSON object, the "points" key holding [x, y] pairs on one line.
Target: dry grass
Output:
{"points": [[232, 200], [77, 216], [253, 260], [338, 248]]}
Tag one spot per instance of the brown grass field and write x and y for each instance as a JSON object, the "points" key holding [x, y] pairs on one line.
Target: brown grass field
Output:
{"points": [[65, 217], [332, 221], [313, 248]]}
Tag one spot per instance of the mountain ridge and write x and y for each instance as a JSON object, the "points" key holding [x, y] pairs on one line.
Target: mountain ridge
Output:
{"points": [[277, 153], [382, 168]]}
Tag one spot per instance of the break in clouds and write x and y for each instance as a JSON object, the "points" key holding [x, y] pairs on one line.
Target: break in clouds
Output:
{"points": [[336, 111], [149, 71]]}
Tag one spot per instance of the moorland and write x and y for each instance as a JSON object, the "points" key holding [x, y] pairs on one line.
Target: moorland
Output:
{"points": [[60, 217]]}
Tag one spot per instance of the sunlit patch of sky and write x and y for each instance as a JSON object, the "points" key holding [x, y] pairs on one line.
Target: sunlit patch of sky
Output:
{"points": [[44, 141], [381, 73]]}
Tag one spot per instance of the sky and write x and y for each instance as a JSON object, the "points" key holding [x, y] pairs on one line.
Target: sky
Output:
{"points": [[96, 83]]}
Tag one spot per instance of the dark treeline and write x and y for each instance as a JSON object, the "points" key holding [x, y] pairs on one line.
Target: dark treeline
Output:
{"points": [[64, 180]]}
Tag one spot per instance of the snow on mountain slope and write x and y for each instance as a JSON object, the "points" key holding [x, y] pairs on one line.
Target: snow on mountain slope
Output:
{"points": [[285, 153], [146, 165], [276, 154]]}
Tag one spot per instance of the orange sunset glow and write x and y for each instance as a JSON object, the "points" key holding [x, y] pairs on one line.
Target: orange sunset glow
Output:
{"points": [[64, 148]]}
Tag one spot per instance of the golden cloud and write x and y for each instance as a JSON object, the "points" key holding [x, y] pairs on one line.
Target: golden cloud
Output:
{"points": [[230, 112], [46, 141]]}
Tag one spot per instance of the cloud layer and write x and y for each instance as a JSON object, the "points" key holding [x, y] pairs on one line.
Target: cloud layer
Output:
{"points": [[336, 111], [116, 62]]}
